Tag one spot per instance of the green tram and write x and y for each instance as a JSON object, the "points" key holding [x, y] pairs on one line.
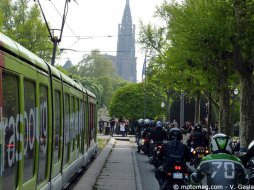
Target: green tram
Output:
{"points": [[47, 122]]}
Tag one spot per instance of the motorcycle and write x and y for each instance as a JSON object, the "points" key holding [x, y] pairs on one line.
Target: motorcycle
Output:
{"points": [[155, 148], [177, 176], [248, 161], [142, 145], [197, 154]]}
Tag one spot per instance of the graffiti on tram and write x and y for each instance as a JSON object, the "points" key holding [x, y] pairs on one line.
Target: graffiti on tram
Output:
{"points": [[10, 134]]}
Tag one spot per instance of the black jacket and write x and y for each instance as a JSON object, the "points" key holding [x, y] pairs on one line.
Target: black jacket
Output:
{"points": [[197, 138], [158, 134], [174, 151]]}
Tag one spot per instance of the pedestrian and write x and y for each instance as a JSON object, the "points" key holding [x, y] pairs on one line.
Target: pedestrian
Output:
{"points": [[126, 127], [112, 123], [101, 126], [117, 131], [186, 131], [122, 128]]}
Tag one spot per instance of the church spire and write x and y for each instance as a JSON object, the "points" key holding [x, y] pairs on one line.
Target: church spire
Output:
{"points": [[126, 20], [126, 60]]}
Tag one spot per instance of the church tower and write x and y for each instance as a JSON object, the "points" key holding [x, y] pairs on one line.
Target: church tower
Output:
{"points": [[125, 57]]}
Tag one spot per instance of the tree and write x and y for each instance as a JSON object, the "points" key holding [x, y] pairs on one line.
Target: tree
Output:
{"points": [[97, 73], [96, 65], [214, 38], [25, 25], [243, 59], [128, 101]]}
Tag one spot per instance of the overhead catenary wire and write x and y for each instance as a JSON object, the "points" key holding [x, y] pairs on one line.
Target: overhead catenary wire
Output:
{"points": [[76, 36], [53, 38]]}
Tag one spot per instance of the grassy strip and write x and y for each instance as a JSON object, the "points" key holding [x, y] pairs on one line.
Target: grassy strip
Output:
{"points": [[102, 143]]}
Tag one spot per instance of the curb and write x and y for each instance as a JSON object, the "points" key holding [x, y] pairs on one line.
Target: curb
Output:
{"points": [[136, 168], [90, 177]]}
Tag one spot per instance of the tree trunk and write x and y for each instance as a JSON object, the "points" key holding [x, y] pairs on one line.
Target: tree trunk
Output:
{"points": [[246, 110], [168, 106], [197, 108], [224, 113], [224, 102], [245, 69]]}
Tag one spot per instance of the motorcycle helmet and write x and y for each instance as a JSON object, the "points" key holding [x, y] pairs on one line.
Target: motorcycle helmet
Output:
{"points": [[158, 124], [141, 122], [147, 122], [152, 123], [175, 134], [221, 143], [198, 127]]}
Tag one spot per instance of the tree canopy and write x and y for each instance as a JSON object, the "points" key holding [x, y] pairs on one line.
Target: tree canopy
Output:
{"points": [[24, 24], [205, 46], [135, 101]]}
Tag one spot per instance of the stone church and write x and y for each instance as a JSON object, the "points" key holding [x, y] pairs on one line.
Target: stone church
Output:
{"points": [[125, 60]]}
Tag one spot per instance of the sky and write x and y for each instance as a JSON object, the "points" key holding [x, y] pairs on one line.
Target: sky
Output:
{"points": [[93, 24]]}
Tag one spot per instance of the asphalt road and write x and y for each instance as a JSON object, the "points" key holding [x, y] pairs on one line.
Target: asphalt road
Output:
{"points": [[146, 170]]}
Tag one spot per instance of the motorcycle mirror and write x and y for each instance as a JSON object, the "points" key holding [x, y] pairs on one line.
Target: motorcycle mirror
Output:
{"points": [[251, 145]]}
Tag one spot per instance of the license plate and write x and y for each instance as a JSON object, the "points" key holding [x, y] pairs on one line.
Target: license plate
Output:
{"points": [[177, 176], [200, 155]]}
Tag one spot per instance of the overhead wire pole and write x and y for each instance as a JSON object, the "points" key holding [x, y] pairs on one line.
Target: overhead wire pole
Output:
{"points": [[144, 80], [54, 38]]}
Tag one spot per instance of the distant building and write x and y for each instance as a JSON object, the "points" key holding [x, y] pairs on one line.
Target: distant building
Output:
{"points": [[68, 64], [125, 57]]}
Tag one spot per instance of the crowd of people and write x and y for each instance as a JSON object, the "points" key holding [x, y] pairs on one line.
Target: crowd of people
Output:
{"points": [[114, 126], [221, 166]]}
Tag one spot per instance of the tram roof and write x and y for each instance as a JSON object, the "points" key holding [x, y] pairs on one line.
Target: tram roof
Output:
{"points": [[19, 51]]}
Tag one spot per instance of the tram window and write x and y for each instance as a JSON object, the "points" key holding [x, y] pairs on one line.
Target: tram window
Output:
{"points": [[72, 124], [57, 126], [29, 132], [66, 126], [76, 122], [43, 133], [9, 117], [81, 128]]}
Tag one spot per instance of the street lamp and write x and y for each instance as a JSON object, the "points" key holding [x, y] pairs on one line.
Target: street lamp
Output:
{"points": [[162, 106], [182, 109], [236, 91], [234, 97]]}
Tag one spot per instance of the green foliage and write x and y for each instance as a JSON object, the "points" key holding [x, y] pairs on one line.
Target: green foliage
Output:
{"points": [[107, 92], [60, 68], [97, 74], [194, 49], [128, 101], [25, 25], [96, 65]]}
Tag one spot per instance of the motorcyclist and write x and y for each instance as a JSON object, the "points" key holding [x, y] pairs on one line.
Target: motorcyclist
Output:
{"points": [[245, 158], [145, 128], [157, 135], [221, 167], [145, 134], [138, 131], [171, 152], [197, 137]]}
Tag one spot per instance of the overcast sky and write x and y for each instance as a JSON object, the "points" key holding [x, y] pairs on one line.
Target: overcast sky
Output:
{"points": [[95, 20]]}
